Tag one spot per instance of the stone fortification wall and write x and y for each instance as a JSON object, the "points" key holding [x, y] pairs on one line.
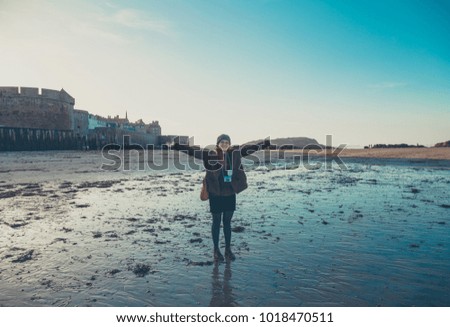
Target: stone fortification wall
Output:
{"points": [[28, 107], [33, 139], [44, 119]]}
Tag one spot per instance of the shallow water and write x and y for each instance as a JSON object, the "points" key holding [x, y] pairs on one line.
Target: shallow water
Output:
{"points": [[376, 234]]}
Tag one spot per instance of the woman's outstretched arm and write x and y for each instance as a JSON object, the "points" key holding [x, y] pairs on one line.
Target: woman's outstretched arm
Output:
{"points": [[190, 150], [247, 150]]}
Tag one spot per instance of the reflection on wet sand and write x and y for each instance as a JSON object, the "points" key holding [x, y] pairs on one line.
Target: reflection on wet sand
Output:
{"points": [[222, 291]]}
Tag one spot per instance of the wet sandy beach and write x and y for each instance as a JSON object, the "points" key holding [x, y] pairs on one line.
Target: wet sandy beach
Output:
{"points": [[71, 234]]}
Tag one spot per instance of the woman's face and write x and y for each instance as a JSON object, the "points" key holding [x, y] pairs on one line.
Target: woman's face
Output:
{"points": [[224, 145]]}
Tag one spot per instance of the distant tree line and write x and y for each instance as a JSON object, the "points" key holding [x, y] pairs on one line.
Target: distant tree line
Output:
{"points": [[401, 145]]}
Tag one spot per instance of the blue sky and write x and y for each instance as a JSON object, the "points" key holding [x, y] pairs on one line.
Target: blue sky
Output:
{"points": [[363, 71]]}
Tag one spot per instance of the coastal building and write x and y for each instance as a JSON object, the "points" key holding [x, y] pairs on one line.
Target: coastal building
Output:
{"points": [[98, 121], [140, 126], [80, 122], [154, 128], [121, 123]]}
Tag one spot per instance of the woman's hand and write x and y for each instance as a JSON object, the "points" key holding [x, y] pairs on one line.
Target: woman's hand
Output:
{"points": [[266, 143]]}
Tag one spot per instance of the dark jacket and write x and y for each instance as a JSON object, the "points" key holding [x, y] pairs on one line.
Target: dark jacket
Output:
{"points": [[214, 164]]}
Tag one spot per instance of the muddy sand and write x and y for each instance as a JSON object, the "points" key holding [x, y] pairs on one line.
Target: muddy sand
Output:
{"points": [[376, 234]]}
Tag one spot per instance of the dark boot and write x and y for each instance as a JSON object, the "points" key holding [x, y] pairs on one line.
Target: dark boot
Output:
{"points": [[229, 255], [218, 257]]}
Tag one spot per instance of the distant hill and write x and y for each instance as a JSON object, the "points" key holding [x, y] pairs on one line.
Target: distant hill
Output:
{"points": [[442, 144], [290, 142]]}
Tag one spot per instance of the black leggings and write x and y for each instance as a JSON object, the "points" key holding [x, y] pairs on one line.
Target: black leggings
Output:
{"points": [[215, 229]]}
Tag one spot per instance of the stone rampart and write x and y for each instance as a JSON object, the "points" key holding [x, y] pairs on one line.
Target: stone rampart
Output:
{"points": [[32, 139], [28, 107]]}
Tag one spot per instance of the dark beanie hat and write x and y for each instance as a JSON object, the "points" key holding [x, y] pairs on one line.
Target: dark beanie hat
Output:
{"points": [[223, 137]]}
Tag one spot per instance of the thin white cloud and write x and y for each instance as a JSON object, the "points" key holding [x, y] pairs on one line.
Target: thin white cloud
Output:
{"points": [[134, 19], [96, 32], [54, 24], [50, 24]]}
